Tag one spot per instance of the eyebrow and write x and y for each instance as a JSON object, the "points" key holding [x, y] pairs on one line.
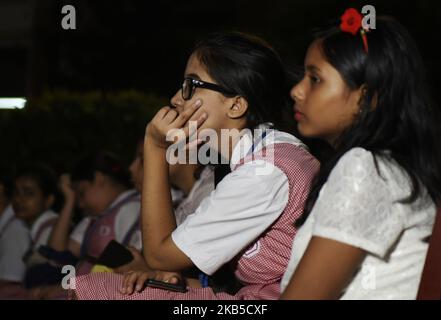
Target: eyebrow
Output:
{"points": [[192, 75], [312, 68]]}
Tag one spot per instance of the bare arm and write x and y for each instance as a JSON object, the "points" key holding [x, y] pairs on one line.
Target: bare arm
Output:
{"points": [[158, 221], [324, 271]]}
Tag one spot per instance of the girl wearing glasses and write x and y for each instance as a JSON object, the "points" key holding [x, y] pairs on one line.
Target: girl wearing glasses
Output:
{"points": [[232, 82]]}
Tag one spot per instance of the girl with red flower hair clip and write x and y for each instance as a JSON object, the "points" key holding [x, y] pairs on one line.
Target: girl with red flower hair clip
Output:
{"points": [[371, 209]]}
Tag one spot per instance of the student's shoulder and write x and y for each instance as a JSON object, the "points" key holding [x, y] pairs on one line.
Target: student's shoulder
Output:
{"points": [[290, 146], [361, 168], [358, 153], [47, 217], [360, 159], [17, 229], [129, 210], [280, 137]]}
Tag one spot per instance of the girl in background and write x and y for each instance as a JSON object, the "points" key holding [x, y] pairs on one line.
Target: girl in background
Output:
{"points": [[14, 236], [102, 190], [191, 183], [35, 195], [100, 186]]}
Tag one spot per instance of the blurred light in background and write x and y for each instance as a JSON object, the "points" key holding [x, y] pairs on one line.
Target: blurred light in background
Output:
{"points": [[12, 103]]}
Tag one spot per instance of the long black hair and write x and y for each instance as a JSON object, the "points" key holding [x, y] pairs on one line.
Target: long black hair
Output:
{"points": [[249, 67], [397, 116]]}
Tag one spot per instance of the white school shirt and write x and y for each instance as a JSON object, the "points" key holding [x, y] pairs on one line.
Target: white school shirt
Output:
{"points": [[14, 243], [201, 189], [243, 205], [136, 238], [43, 237], [177, 196], [127, 215], [359, 208]]}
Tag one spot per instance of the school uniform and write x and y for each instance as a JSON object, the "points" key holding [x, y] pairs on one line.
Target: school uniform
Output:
{"points": [[116, 223], [360, 206], [14, 243], [201, 189], [41, 229], [248, 221], [36, 237]]}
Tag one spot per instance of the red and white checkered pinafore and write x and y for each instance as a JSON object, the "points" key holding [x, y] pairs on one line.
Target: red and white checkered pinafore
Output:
{"points": [[261, 266], [101, 231]]}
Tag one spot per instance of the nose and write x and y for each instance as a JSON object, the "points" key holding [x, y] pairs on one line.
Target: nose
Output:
{"points": [[177, 101], [297, 93]]}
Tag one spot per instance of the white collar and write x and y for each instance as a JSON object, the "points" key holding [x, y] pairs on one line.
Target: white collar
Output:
{"points": [[121, 197], [45, 216], [245, 144]]}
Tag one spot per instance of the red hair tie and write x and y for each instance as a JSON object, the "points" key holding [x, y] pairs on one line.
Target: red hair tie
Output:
{"points": [[351, 21]]}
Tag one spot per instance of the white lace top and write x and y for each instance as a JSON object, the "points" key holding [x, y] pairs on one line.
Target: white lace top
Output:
{"points": [[359, 207]]}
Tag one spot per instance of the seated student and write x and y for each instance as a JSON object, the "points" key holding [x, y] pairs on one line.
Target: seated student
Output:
{"points": [[35, 194], [192, 183], [102, 191], [14, 236], [232, 81], [181, 176], [372, 208]]}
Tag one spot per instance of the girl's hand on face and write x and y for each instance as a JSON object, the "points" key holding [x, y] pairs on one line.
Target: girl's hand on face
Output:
{"points": [[134, 281], [168, 120], [66, 188]]}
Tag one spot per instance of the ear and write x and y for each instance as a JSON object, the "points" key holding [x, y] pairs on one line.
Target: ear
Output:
{"points": [[50, 200], [355, 99], [362, 94], [238, 108]]}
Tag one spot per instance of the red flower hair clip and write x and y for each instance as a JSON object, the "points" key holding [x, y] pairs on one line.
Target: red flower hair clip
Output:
{"points": [[351, 21]]}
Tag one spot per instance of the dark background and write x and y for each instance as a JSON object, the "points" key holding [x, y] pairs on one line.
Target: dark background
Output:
{"points": [[98, 85]]}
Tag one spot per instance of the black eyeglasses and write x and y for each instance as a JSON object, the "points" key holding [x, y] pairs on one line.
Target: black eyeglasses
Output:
{"points": [[189, 86]]}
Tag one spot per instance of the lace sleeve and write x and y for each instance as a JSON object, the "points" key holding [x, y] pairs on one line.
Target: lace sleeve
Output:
{"points": [[356, 206]]}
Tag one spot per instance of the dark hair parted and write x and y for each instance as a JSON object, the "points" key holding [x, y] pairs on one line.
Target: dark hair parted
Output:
{"points": [[249, 67], [397, 119], [104, 162]]}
